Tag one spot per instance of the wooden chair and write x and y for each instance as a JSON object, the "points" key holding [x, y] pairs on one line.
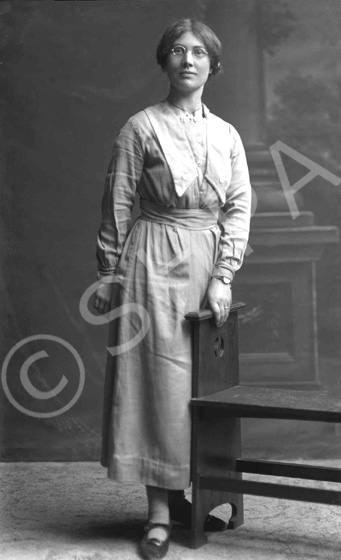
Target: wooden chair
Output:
{"points": [[218, 404]]}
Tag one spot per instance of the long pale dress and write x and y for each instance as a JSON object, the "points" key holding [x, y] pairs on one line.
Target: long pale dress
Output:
{"points": [[193, 183]]}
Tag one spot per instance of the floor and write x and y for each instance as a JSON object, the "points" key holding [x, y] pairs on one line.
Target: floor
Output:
{"points": [[71, 511]]}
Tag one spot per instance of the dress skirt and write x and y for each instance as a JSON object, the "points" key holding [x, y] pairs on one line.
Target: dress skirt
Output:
{"points": [[164, 273]]}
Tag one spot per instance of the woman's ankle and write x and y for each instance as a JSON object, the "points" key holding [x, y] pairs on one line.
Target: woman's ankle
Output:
{"points": [[158, 508]]}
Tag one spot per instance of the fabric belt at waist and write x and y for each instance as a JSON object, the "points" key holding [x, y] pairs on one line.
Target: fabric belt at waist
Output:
{"points": [[188, 218]]}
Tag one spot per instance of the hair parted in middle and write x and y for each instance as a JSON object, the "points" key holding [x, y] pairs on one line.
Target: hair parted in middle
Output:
{"points": [[201, 30]]}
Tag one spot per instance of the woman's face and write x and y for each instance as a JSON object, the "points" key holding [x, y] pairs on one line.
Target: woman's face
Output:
{"points": [[188, 73]]}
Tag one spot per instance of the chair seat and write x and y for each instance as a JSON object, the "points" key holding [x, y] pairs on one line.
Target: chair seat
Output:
{"points": [[260, 402]]}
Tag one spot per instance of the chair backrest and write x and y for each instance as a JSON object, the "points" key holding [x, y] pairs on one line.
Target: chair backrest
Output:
{"points": [[214, 352]]}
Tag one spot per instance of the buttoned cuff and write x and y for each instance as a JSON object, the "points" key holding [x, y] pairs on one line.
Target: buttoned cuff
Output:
{"points": [[106, 277]]}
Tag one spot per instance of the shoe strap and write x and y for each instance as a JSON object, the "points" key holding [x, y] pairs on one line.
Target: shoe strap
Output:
{"points": [[151, 525]]}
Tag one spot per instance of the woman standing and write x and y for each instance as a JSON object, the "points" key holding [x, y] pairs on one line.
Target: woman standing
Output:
{"points": [[190, 172]]}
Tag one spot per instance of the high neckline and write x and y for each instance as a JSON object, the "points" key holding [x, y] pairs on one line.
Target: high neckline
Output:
{"points": [[183, 109], [187, 116]]}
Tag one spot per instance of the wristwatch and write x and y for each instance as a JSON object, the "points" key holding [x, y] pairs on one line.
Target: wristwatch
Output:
{"points": [[224, 279]]}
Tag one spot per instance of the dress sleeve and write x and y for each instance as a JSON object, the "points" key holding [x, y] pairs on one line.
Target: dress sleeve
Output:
{"points": [[123, 176], [234, 216]]}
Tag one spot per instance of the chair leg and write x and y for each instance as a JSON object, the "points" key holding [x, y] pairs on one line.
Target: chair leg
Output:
{"points": [[201, 506], [216, 445], [204, 501], [237, 515]]}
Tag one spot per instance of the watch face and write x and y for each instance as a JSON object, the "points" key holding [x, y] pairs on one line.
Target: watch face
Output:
{"points": [[226, 280]]}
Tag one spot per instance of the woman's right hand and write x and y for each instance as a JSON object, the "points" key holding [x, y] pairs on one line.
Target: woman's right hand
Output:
{"points": [[103, 297]]}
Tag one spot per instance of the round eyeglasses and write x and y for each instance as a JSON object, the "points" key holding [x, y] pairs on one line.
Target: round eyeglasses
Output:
{"points": [[197, 52]]}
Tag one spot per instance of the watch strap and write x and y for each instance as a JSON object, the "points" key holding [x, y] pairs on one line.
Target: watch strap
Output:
{"points": [[224, 279]]}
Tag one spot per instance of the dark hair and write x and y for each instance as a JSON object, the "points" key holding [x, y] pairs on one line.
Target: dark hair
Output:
{"points": [[199, 29]]}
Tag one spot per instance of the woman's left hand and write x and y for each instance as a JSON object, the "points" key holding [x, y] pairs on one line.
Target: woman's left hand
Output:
{"points": [[219, 299]]}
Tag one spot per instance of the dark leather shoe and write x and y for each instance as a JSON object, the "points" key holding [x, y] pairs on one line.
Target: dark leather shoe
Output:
{"points": [[152, 547], [181, 512]]}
